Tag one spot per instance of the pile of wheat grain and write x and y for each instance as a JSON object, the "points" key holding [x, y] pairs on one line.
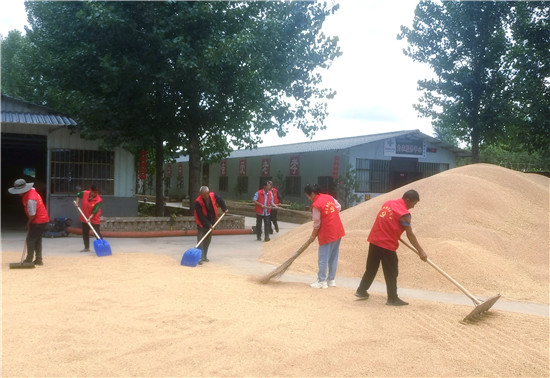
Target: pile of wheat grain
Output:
{"points": [[487, 226]]}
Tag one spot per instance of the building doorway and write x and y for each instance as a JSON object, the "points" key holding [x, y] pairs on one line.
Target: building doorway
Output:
{"points": [[403, 171], [23, 156]]}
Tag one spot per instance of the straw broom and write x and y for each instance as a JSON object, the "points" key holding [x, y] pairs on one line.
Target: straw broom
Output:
{"points": [[279, 271]]}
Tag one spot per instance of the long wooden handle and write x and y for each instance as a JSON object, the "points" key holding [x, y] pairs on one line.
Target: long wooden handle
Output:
{"points": [[209, 231], [87, 221], [462, 288]]}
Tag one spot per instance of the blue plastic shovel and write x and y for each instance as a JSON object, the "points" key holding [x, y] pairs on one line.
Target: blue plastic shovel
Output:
{"points": [[192, 256], [101, 247]]}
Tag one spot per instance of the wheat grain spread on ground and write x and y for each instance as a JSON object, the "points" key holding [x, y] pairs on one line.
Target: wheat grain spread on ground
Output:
{"points": [[138, 315]]}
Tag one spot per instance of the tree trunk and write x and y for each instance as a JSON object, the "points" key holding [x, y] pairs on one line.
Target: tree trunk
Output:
{"points": [[475, 144], [194, 166], [159, 167]]}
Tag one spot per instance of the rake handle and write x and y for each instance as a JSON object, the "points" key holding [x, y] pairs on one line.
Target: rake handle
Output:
{"points": [[209, 231], [462, 288], [87, 221]]}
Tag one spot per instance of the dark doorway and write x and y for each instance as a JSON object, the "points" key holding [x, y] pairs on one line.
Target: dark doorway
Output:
{"points": [[23, 156], [403, 171]]}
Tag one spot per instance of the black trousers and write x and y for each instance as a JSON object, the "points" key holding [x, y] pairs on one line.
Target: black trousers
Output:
{"points": [[390, 264], [267, 226], [273, 217], [201, 231], [86, 233], [34, 241]]}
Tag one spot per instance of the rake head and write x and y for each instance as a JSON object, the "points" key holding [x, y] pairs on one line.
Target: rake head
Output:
{"points": [[482, 307]]}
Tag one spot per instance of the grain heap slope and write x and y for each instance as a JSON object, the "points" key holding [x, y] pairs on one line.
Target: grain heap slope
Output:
{"points": [[485, 225]]}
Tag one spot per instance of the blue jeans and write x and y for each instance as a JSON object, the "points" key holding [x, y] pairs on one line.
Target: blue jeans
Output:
{"points": [[328, 258]]}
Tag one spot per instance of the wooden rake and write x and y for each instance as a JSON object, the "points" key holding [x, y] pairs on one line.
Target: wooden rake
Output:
{"points": [[480, 306]]}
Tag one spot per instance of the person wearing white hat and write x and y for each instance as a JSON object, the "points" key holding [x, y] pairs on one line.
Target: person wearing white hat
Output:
{"points": [[37, 218]]}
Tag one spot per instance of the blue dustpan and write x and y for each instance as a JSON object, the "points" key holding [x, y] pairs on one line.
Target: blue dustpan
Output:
{"points": [[102, 248], [191, 257]]}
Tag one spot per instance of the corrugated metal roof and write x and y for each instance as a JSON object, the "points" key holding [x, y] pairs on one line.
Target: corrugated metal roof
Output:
{"points": [[37, 119], [335, 144], [318, 145]]}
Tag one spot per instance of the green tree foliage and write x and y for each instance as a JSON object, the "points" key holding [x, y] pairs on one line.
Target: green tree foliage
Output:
{"points": [[197, 77], [530, 60], [477, 50]]}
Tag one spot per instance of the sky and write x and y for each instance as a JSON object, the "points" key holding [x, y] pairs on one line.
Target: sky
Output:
{"points": [[376, 83]]}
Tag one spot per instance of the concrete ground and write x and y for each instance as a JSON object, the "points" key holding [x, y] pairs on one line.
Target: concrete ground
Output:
{"points": [[242, 252]]}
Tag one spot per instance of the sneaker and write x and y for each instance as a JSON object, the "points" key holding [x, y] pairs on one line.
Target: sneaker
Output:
{"points": [[206, 260], [361, 295], [396, 302], [319, 285], [38, 262], [85, 250], [267, 239], [331, 283]]}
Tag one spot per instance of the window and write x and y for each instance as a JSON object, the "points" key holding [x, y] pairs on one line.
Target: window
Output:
{"points": [[223, 184], [327, 185], [179, 182], [242, 184], [430, 169], [372, 176], [71, 169], [293, 186]]}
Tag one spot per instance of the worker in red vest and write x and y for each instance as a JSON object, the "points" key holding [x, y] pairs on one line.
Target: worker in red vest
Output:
{"points": [[329, 230], [206, 214], [392, 219], [91, 207], [263, 199], [37, 218], [276, 200]]}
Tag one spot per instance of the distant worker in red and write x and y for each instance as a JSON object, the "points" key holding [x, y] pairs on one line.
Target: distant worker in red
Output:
{"points": [[206, 214], [263, 199], [37, 218], [392, 219], [91, 207], [277, 198]]}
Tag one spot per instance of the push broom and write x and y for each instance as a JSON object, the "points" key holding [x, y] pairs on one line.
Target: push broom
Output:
{"points": [[22, 264], [480, 306], [192, 256], [280, 270]]}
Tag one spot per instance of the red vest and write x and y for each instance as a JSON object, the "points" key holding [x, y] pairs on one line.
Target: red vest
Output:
{"points": [[386, 230], [203, 206], [87, 207], [275, 196], [41, 212], [332, 228], [261, 199]]}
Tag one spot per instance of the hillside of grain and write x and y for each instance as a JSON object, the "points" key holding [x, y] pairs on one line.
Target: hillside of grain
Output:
{"points": [[487, 226]]}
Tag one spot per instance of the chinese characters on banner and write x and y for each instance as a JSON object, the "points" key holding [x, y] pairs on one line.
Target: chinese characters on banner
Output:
{"points": [[242, 167], [294, 166], [335, 167], [265, 167], [168, 170], [180, 169], [223, 168], [404, 147]]}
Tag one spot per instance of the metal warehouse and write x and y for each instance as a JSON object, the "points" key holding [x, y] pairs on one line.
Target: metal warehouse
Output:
{"points": [[378, 163]]}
